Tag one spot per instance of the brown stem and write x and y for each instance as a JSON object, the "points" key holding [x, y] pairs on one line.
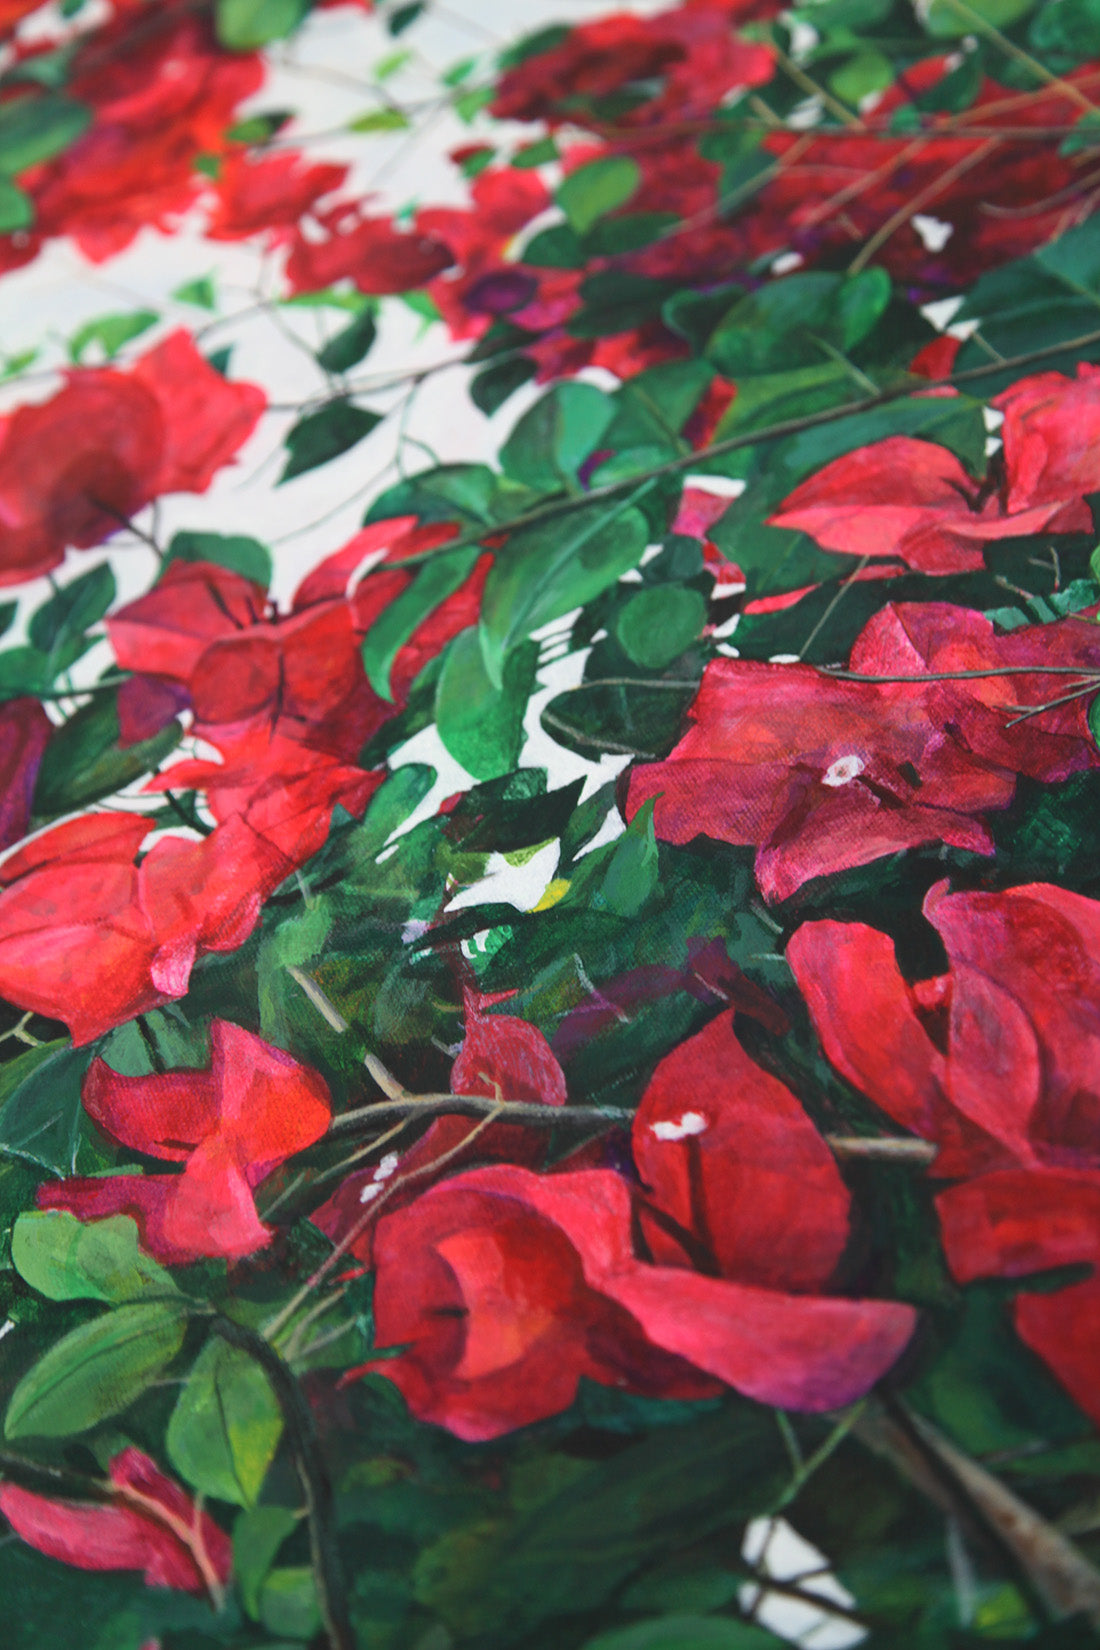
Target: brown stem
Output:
{"points": [[1053, 1570]]}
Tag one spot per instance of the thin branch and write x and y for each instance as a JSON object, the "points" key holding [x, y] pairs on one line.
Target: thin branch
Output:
{"points": [[752, 438]]}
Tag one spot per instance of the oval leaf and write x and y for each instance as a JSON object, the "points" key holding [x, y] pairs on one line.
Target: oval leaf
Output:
{"points": [[95, 1371], [67, 1260], [226, 1425]]}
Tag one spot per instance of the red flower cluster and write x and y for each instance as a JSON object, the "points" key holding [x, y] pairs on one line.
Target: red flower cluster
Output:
{"points": [[162, 95], [822, 774], [148, 1524], [90, 937], [74, 468], [914, 501], [230, 1125], [674, 66], [503, 1288], [996, 1062]]}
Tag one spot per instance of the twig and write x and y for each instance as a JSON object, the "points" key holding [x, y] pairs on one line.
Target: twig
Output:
{"points": [[1051, 1568]]}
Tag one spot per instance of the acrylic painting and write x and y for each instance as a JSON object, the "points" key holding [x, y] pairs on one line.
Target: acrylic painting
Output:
{"points": [[549, 824]]}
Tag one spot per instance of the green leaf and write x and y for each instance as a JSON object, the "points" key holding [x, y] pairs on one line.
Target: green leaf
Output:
{"points": [[351, 344], [404, 17], [947, 21], [35, 128], [111, 332], [243, 25], [686, 1633], [258, 1534], [558, 247], [659, 624], [632, 871], [248, 557], [380, 120], [593, 190], [41, 1115], [16, 207], [555, 436], [85, 759], [543, 572], [867, 71], [95, 1371], [435, 580], [479, 723], [226, 1426], [388, 66], [496, 382], [74, 608], [66, 1259], [391, 805], [200, 292], [322, 436], [795, 322], [288, 1603], [1094, 718]]}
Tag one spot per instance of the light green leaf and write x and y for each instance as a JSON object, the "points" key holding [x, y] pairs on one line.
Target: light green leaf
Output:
{"points": [[632, 870], [258, 1534], [948, 20], [66, 1259], [243, 25], [593, 190], [199, 292], [226, 1426], [545, 571], [95, 1371], [288, 1602], [435, 580], [481, 724], [380, 120], [16, 207], [111, 332]]}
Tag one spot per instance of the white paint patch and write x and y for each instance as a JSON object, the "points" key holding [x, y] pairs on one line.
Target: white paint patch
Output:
{"points": [[843, 771], [692, 1122], [934, 232]]}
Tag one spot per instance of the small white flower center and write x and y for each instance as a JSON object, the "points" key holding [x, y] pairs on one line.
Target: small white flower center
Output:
{"points": [[843, 771], [692, 1122]]}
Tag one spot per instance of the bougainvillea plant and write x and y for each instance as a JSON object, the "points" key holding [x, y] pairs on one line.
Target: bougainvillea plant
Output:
{"points": [[550, 988]]}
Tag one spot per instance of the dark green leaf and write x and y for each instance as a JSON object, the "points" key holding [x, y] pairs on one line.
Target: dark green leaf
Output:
{"points": [[248, 557], [350, 345], [35, 128], [403, 17], [322, 436], [74, 608], [226, 1426], [496, 382], [66, 1259], [95, 1371], [41, 1116], [631, 874], [482, 725], [659, 624], [555, 436], [687, 1633], [85, 759], [558, 247]]}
